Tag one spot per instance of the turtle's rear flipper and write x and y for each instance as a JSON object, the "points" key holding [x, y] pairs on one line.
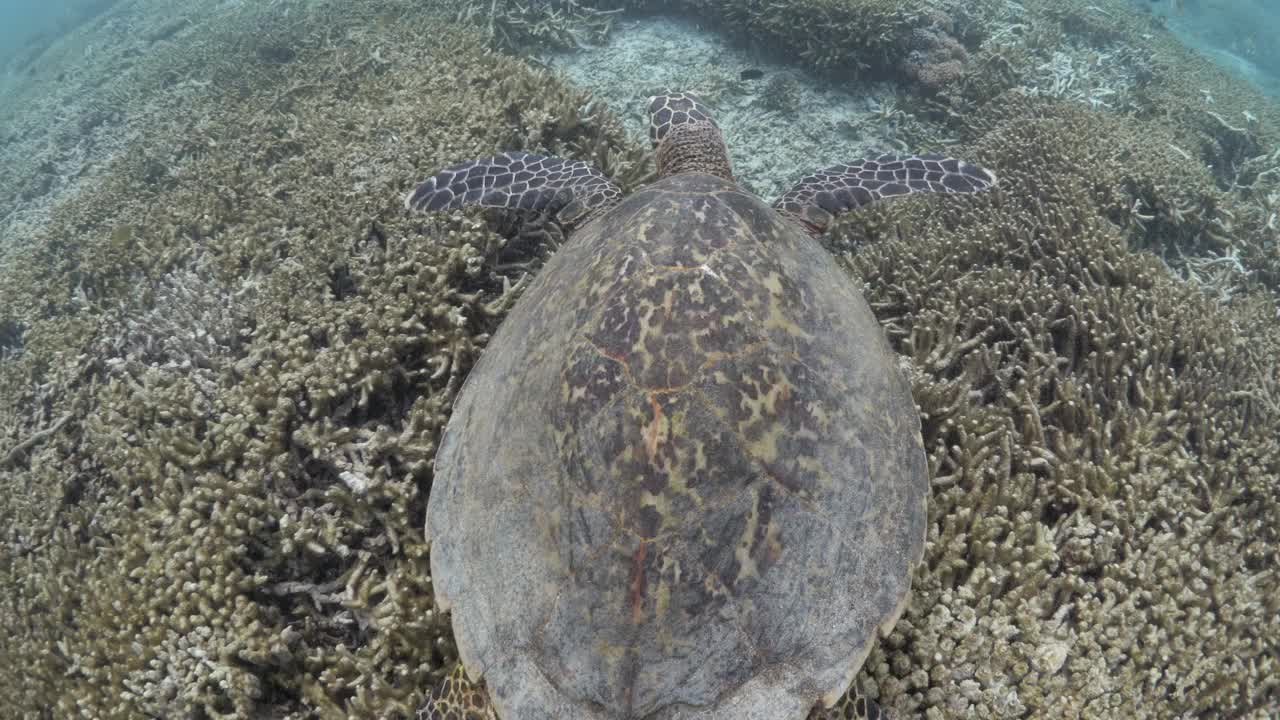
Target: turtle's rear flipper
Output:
{"points": [[818, 199], [569, 190], [456, 698]]}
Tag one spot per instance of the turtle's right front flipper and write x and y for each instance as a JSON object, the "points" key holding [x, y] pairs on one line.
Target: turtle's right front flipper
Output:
{"points": [[570, 190], [818, 199]]}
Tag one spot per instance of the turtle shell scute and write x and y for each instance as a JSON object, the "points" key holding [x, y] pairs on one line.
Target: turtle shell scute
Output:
{"points": [[685, 477]]}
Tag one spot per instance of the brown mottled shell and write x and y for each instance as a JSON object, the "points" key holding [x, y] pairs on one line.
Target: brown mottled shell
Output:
{"points": [[685, 480]]}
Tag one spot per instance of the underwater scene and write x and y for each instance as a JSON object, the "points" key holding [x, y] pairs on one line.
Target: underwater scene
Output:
{"points": [[639, 359]]}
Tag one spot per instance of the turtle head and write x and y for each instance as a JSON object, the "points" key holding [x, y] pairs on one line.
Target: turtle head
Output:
{"points": [[686, 137]]}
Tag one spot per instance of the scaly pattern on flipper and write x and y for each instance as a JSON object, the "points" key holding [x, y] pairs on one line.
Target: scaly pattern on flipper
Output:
{"points": [[570, 190], [457, 698], [851, 706], [820, 197]]}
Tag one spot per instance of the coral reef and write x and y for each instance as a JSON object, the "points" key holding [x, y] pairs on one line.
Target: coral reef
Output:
{"points": [[1102, 444], [237, 355], [1108, 55], [936, 58], [229, 352]]}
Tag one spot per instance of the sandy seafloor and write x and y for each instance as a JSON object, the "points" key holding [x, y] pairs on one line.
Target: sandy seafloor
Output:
{"points": [[68, 116], [772, 144]]}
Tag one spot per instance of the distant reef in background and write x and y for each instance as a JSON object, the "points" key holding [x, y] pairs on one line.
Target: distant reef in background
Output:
{"points": [[31, 28]]}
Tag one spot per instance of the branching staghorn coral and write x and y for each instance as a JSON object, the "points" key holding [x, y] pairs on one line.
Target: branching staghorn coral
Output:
{"points": [[1101, 441], [258, 348]]}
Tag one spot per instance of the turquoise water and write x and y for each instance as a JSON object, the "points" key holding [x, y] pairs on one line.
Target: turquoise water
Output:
{"points": [[27, 27], [1240, 35]]}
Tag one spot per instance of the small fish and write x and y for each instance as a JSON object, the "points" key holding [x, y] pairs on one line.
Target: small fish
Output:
{"points": [[751, 74]]}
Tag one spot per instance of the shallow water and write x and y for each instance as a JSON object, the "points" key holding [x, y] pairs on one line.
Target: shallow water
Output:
{"points": [[1239, 35], [230, 326]]}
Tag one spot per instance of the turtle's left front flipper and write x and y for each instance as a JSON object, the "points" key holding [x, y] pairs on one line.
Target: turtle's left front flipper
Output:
{"points": [[569, 190], [818, 199], [457, 697]]}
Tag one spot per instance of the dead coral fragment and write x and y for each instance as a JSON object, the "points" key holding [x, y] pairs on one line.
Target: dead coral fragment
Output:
{"points": [[521, 25]]}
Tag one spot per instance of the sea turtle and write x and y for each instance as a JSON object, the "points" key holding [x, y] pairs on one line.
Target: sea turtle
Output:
{"points": [[685, 480]]}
